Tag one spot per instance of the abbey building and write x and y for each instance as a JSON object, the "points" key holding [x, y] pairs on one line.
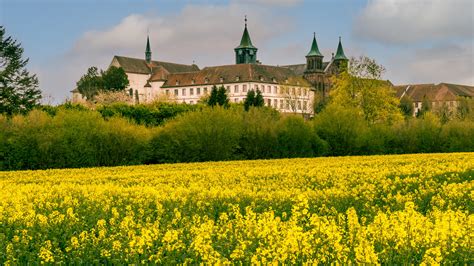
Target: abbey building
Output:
{"points": [[286, 88]]}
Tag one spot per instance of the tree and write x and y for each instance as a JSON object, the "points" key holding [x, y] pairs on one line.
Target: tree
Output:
{"points": [[212, 101], [114, 79], [406, 106], [222, 98], [90, 84], [465, 108], [218, 97], [253, 99], [249, 100], [361, 87], [295, 94], [19, 92], [425, 107]]}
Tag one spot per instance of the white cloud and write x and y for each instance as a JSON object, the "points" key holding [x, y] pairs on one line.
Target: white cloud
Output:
{"points": [[445, 63], [270, 2], [409, 21], [207, 34]]}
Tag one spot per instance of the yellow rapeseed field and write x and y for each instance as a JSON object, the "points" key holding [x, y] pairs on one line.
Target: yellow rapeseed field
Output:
{"points": [[406, 209]]}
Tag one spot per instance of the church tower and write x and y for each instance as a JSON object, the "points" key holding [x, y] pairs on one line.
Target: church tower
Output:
{"points": [[314, 59], [246, 53], [340, 59], [148, 51]]}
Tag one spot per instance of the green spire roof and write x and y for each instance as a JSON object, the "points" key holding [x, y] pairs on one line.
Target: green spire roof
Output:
{"points": [[340, 52], [314, 48], [246, 42], [148, 50]]}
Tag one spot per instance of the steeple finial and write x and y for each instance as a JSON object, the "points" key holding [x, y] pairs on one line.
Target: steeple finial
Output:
{"points": [[148, 50], [340, 52], [314, 47], [245, 21]]}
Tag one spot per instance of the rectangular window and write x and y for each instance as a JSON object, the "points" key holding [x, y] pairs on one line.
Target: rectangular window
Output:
{"points": [[198, 91], [281, 105], [183, 92], [204, 90], [275, 103], [191, 102], [299, 105], [269, 89], [269, 102], [305, 92], [227, 88], [236, 88], [287, 104], [167, 92], [305, 105], [191, 91], [244, 88], [176, 92], [236, 100], [275, 89]]}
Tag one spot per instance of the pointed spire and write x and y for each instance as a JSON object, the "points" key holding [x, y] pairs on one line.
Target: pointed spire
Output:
{"points": [[148, 50], [340, 52], [246, 42], [314, 48]]}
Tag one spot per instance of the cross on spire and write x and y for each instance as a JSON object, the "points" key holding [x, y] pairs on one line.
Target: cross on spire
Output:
{"points": [[245, 21]]}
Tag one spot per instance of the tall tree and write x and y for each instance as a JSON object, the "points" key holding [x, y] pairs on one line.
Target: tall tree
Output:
{"points": [[90, 84], [114, 79], [425, 107], [212, 101], [406, 106], [222, 98], [19, 92], [249, 100], [361, 87], [259, 102]]}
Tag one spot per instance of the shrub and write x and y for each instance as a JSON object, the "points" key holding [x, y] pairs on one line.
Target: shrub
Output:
{"points": [[341, 128], [457, 136], [210, 134], [295, 137], [70, 139]]}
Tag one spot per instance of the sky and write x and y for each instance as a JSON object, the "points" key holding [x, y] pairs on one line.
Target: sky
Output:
{"points": [[417, 41]]}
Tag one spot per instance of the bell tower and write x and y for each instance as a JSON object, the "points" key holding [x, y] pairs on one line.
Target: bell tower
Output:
{"points": [[314, 59], [246, 53]]}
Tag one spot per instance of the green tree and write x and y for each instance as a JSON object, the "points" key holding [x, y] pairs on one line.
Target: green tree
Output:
{"points": [[249, 100], [114, 79], [213, 97], [425, 107], [406, 106], [258, 102], [19, 92], [465, 108], [361, 87], [222, 98], [90, 84]]}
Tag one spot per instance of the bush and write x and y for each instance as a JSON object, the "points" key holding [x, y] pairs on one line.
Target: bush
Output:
{"points": [[295, 137], [259, 136], [457, 136], [146, 114], [419, 135], [70, 139], [210, 134], [341, 128]]}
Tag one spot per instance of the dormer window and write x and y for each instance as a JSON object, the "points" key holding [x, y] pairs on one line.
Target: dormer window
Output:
{"points": [[261, 78], [221, 79], [177, 82], [206, 80], [274, 80], [237, 78], [193, 81]]}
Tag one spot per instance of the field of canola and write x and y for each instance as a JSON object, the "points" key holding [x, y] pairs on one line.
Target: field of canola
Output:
{"points": [[376, 209]]}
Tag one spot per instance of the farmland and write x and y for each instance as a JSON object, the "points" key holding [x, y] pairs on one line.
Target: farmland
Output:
{"points": [[373, 209]]}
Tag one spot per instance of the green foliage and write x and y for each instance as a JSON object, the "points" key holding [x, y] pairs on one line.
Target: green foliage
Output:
{"points": [[253, 99], [362, 88], [146, 114], [341, 128], [425, 107], [213, 97], [218, 96], [19, 91], [71, 138], [210, 134], [406, 106], [114, 79], [419, 135], [465, 109], [457, 136], [295, 137], [90, 83], [259, 136]]}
